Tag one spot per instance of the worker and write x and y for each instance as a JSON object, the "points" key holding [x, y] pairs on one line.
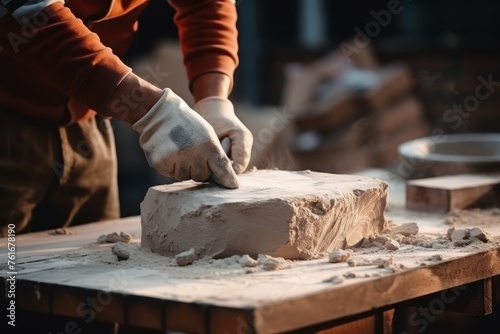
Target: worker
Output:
{"points": [[63, 79]]}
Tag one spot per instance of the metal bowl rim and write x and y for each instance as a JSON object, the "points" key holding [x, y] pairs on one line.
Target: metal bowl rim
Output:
{"points": [[407, 149]]}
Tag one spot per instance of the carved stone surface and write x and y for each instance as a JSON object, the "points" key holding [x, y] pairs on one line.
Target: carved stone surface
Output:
{"points": [[289, 214]]}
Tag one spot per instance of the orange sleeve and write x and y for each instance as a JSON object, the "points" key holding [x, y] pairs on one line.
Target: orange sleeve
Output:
{"points": [[207, 35], [65, 53]]}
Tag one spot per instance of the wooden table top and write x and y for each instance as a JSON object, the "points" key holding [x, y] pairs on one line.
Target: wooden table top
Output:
{"points": [[58, 273]]}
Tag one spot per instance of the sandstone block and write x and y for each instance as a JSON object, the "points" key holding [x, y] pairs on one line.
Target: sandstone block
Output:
{"points": [[289, 214]]}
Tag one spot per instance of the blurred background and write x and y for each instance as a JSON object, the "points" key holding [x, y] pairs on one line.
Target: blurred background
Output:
{"points": [[336, 86]]}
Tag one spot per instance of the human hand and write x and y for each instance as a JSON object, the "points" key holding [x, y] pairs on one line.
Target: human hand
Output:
{"points": [[179, 143], [219, 112]]}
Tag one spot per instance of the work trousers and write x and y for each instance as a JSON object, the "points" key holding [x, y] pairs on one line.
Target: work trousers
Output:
{"points": [[53, 176]]}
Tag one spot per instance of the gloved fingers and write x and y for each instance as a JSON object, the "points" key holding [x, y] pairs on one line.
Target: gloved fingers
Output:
{"points": [[225, 143], [195, 169], [241, 148], [181, 171], [222, 171], [199, 171], [180, 143]]}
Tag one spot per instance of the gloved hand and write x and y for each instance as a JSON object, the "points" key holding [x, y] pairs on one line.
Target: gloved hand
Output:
{"points": [[219, 112], [180, 143]]}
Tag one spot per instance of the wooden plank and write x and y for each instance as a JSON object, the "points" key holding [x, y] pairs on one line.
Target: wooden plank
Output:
{"points": [[230, 320], [277, 315], [145, 312], [356, 298], [69, 301], [88, 304], [380, 323], [187, 317], [360, 324], [446, 193]]}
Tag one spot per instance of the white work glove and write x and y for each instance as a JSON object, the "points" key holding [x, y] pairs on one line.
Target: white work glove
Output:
{"points": [[219, 112], [179, 143]]}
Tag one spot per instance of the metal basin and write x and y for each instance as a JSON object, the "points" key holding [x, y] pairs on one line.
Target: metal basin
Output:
{"points": [[450, 155]]}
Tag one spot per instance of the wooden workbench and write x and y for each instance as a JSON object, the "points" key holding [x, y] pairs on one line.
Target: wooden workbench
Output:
{"points": [[56, 274]]}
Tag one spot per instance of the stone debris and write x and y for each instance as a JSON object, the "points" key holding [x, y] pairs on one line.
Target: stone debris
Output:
{"points": [[121, 251], [379, 263], [462, 243], [250, 270], [232, 259], [407, 234], [435, 258], [366, 243], [458, 234], [479, 234], [388, 264], [359, 262], [406, 229], [392, 242], [102, 239], [247, 261], [392, 245], [465, 236], [185, 258], [339, 255], [62, 231], [350, 274], [114, 237], [274, 263], [334, 279], [125, 237], [379, 240]]}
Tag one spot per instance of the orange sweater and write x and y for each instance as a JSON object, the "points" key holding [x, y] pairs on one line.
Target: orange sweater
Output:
{"points": [[73, 51]]}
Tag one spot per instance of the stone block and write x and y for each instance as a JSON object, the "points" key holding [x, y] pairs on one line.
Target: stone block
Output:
{"points": [[289, 214]]}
